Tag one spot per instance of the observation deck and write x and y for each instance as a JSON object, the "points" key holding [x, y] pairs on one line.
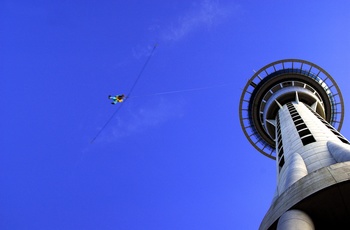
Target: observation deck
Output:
{"points": [[279, 83]]}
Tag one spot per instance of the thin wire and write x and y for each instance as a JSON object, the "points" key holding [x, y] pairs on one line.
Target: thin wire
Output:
{"points": [[130, 91], [178, 91], [143, 68], [115, 112]]}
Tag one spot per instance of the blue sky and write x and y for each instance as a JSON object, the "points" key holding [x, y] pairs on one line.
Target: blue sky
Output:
{"points": [[169, 161]]}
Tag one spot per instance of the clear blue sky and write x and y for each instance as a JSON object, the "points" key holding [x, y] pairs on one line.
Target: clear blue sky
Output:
{"points": [[172, 161]]}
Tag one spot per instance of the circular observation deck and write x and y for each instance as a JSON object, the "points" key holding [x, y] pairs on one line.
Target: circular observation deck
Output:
{"points": [[279, 83]]}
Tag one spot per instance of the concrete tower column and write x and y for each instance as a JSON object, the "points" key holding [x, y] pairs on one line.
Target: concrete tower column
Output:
{"points": [[295, 220]]}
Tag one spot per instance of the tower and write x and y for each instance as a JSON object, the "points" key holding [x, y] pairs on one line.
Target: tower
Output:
{"points": [[292, 111]]}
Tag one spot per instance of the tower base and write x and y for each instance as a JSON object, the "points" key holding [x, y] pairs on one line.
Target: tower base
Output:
{"points": [[322, 194]]}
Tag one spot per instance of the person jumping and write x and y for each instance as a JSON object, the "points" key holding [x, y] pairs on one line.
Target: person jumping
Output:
{"points": [[117, 99]]}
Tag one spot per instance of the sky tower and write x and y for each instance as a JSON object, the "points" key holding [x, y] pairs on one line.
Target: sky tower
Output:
{"points": [[292, 111]]}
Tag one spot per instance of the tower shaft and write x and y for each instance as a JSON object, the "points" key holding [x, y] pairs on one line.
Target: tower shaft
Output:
{"points": [[292, 111], [302, 143]]}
